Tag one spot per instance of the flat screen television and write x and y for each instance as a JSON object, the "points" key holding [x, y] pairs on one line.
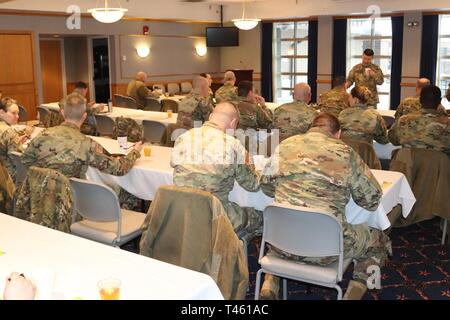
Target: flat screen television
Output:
{"points": [[222, 37]]}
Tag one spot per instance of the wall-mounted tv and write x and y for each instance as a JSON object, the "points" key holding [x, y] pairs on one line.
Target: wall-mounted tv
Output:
{"points": [[222, 37]]}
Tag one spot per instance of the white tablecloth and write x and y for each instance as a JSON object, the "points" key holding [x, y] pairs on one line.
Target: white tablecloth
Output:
{"points": [[149, 174], [272, 105], [387, 113], [78, 264], [176, 98], [384, 151], [135, 114]]}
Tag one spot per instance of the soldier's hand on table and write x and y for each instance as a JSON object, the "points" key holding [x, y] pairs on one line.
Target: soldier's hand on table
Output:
{"points": [[138, 146], [260, 99], [19, 288]]}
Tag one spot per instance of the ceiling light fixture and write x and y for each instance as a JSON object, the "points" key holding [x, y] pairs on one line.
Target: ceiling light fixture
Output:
{"points": [[143, 51], [245, 23], [108, 14]]}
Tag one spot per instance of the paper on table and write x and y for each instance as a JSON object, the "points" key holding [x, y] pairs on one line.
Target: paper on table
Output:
{"points": [[112, 146]]}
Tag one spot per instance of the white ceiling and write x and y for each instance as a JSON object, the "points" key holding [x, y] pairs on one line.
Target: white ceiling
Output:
{"points": [[209, 9]]}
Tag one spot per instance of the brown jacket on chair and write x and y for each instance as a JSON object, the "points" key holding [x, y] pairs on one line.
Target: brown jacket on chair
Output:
{"points": [[428, 173], [45, 198], [189, 228], [366, 152], [7, 190]]}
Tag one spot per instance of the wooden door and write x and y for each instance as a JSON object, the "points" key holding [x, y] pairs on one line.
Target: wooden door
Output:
{"points": [[51, 69], [17, 69]]}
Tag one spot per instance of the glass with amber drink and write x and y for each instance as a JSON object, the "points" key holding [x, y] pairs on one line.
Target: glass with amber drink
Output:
{"points": [[109, 289], [147, 150], [169, 113]]}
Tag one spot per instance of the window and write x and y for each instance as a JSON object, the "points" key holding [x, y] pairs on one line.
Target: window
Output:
{"points": [[290, 58], [443, 65], [375, 34]]}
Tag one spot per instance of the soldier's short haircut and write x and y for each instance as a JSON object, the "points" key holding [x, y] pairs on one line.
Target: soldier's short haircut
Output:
{"points": [[339, 81], [369, 52], [229, 76], [423, 82], [360, 92], [244, 88], [198, 81], [204, 75], [6, 103], [430, 97], [81, 85], [327, 122], [74, 107]]}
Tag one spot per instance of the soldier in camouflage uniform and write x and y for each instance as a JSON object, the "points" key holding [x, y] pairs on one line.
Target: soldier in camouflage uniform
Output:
{"points": [[253, 115], [368, 75], [210, 98], [209, 159], [137, 89], [335, 100], [295, 117], [412, 104], [127, 127], [360, 122], [195, 107], [228, 92], [65, 149], [9, 138], [426, 129], [318, 170]]}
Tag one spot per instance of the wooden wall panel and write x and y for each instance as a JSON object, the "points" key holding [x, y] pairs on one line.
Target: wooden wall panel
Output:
{"points": [[51, 70], [17, 69]]}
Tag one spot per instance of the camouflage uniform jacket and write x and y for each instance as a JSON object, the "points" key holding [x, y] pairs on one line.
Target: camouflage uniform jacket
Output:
{"points": [[139, 91], [361, 123], [208, 159], [226, 93], [426, 129], [65, 149], [411, 105], [9, 141], [193, 108], [45, 198], [316, 170], [293, 118], [334, 101], [253, 116], [127, 127], [358, 76]]}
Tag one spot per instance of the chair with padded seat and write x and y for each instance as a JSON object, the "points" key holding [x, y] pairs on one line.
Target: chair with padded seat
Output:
{"points": [[153, 131], [105, 125], [152, 104], [173, 88], [304, 232], [103, 219], [125, 101], [186, 87]]}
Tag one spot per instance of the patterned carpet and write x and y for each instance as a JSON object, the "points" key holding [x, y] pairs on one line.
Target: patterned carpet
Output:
{"points": [[419, 269]]}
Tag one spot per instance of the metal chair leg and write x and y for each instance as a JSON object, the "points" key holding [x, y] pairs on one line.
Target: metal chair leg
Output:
{"points": [[258, 284], [444, 231]]}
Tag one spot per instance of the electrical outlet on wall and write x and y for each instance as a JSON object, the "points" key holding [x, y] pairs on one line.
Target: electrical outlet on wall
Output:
{"points": [[124, 58]]}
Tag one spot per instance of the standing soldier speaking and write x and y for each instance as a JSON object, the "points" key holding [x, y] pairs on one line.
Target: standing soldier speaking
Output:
{"points": [[368, 75]]}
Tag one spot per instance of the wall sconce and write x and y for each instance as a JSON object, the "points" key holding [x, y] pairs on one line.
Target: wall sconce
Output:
{"points": [[201, 50], [412, 24], [143, 51]]}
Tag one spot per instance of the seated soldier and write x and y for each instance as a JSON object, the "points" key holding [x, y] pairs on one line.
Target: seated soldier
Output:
{"points": [[210, 159], [412, 104], [195, 106], [320, 171], [227, 92], [425, 129], [361, 122], [335, 100], [295, 117], [253, 115], [137, 89]]}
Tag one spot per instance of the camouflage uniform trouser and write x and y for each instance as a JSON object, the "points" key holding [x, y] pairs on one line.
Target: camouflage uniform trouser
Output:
{"points": [[369, 247], [127, 200], [246, 222]]}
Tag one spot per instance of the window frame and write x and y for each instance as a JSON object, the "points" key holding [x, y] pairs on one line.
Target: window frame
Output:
{"points": [[278, 57], [372, 37], [440, 58]]}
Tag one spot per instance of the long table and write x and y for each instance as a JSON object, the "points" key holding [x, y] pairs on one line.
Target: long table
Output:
{"points": [[149, 174], [78, 264], [135, 114]]}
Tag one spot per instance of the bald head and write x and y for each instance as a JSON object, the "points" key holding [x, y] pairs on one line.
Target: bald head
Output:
{"points": [[229, 77], [302, 92], [225, 115], [422, 83], [201, 86], [141, 76]]}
